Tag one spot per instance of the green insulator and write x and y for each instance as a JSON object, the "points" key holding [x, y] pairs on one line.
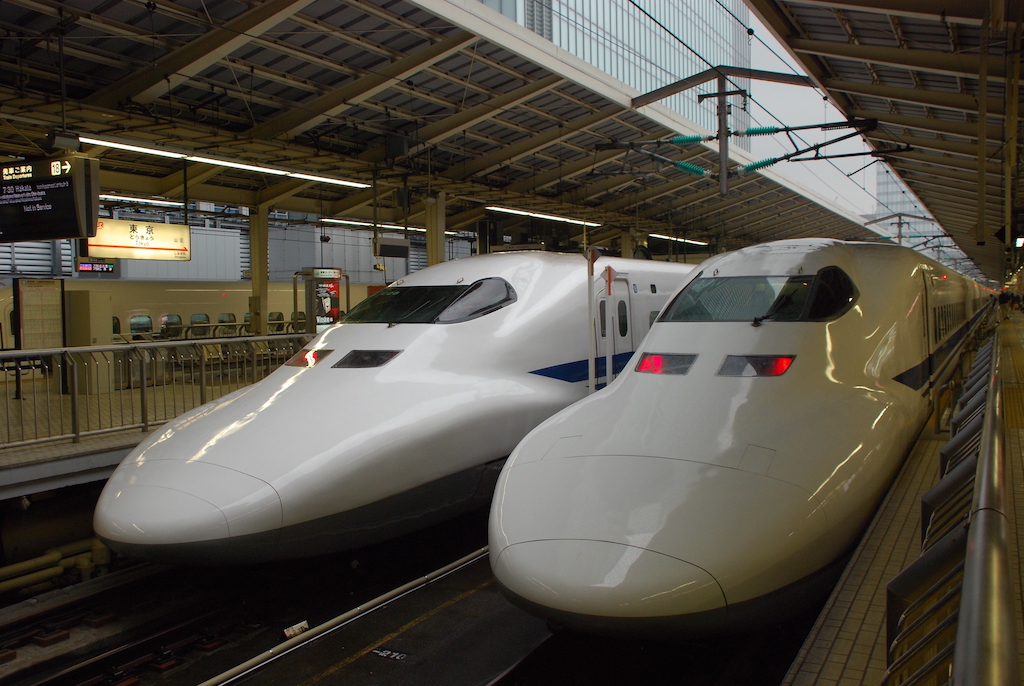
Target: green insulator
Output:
{"points": [[761, 131], [691, 168], [759, 165], [686, 140]]}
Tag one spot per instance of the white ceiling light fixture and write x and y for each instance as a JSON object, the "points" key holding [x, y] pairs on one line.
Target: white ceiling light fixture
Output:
{"points": [[237, 165], [389, 227], [143, 201], [540, 215], [221, 163], [133, 148], [678, 240], [327, 179]]}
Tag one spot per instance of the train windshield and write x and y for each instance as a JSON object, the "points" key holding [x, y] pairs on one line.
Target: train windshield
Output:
{"points": [[741, 298], [430, 304], [818, 297]]}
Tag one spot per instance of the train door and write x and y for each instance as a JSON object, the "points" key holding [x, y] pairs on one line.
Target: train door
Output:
{"points": [[614, 330]]}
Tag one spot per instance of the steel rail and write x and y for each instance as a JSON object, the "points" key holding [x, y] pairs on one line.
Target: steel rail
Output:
{"points": [[341, 620]]}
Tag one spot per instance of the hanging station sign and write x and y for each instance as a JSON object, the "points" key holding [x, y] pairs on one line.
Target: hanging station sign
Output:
{"points": [[141, 240], [47, 200]]}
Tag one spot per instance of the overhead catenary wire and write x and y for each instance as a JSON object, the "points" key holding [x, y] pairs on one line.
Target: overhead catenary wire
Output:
{"points": [[765, 163]]}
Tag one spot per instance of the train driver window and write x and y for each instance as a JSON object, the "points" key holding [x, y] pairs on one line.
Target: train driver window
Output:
{"points": [[834, 294], [433, 304]]}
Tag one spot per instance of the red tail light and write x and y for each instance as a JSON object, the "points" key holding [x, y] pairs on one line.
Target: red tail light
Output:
{"points": [[661, 363], [307, 358], [756, 365]]}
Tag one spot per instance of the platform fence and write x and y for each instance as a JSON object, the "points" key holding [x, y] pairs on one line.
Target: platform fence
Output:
{"points": [[949, 615], [64, 394]]}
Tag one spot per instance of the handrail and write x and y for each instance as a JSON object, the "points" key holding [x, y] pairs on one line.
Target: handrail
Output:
{"points": [[168, 343], [59, 394], [967, 529], [986, 640]]}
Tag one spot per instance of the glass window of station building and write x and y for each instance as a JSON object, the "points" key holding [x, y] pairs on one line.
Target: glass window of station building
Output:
{"points": [[617, 38]]}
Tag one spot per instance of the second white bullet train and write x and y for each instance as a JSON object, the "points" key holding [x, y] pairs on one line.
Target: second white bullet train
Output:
{"points": [[724, 474], [397, 418]]}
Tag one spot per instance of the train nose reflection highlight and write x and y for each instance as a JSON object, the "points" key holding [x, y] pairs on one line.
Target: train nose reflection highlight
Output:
{"points": [[600, 577]]}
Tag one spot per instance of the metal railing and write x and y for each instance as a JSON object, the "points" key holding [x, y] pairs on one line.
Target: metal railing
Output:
{"points": [[70, 393], [950, 614]]}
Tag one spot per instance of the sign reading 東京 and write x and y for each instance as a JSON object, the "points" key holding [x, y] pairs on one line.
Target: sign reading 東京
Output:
{"points": [[139, 240]]}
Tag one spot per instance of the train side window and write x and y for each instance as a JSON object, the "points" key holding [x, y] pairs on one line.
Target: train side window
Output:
{"points": [[246, 318], [834, 294], [198, 324], [170, 325], [623, 319], [140, 323], [116, 325], [275, 317], [226, 318]]}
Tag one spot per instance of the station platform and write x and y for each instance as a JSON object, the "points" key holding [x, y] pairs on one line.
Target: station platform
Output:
{"points": [[847, 645], [28, 470]]}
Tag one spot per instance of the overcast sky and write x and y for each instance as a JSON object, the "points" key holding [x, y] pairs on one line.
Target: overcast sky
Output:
{"points": [[799, 106]]}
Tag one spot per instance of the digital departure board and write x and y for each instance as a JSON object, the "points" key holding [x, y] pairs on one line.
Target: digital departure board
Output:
{"points": [[48, 200]]}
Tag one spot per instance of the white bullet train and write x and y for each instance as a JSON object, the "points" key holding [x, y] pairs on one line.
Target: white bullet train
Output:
{"points": [[719, 480], [396, 419]]}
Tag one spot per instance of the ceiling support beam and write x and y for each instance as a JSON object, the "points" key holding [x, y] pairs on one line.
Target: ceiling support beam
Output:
{"points": [[310, 114], [914, 96], [965, 12], [981, 233], [564, 171], [953, 178], [940, 161], [176, 67], [962, 149], [529, 144], [964, 65], [932, 125], [449, 126]]}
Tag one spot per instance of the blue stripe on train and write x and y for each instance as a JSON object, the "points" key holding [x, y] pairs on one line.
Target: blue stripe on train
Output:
{"points": [[917, 376], [574, 372]]}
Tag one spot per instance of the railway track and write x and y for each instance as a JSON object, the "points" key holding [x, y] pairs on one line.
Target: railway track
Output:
{"points": [[186, 625]]}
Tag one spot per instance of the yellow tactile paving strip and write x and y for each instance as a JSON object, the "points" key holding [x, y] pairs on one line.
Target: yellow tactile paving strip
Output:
{"points": [[846, 647]]}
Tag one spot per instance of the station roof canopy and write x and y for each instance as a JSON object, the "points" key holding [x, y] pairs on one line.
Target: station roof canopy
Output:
{"points": [[415, 98], [917, 66]]}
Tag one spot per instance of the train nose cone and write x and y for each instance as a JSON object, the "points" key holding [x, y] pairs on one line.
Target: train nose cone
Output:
{"points": [[151, 515], [148, 505], [585, 577]]}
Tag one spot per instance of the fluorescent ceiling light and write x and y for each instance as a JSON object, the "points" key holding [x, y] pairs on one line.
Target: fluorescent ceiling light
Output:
{"points": [[538, 215], [327, 179], [132, 148], [678, 240], [389, 227], [236, 165], [222, 163], [144, 201]]}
